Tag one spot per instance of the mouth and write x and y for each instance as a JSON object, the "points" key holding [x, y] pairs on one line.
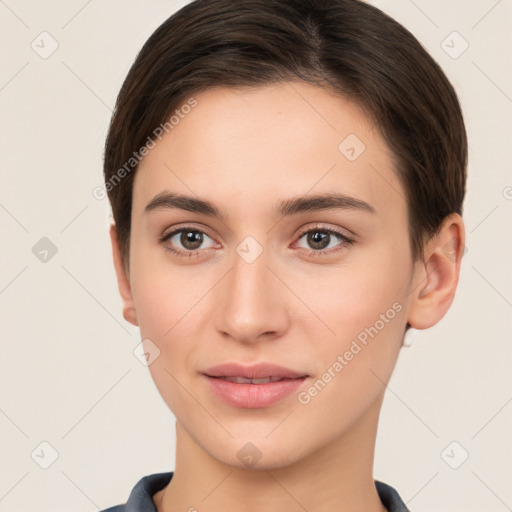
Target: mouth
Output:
{"points": [[256, 372], [244, 380], [253, 387]]}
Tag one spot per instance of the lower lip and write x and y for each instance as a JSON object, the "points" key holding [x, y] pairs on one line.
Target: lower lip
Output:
{"points": [[253, 396]]}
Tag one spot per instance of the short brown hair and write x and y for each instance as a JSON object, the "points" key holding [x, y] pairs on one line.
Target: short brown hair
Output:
{"points": [[347, 46]]}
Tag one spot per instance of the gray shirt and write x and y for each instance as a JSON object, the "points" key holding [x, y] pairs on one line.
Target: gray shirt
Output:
{"points": [[141, 497]]}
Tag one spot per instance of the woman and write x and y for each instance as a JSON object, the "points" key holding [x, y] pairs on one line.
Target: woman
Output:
{"points": [[286, 180]]}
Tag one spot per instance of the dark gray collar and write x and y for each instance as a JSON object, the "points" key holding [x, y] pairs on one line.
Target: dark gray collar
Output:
{"points": [[141, 497]]}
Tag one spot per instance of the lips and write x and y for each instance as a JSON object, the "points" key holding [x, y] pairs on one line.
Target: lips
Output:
{"points": [[255, 372], [244, 380], [253, 387]]}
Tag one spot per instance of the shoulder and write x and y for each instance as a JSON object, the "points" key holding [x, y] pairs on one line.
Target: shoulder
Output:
{"points": [[141, 496], [390, 498]]}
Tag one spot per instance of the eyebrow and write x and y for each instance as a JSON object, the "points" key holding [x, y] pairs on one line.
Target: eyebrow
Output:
{"points": [[287, 207]]}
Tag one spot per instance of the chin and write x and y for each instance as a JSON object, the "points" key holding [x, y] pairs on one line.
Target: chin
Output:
{"points": [[256, 453]]}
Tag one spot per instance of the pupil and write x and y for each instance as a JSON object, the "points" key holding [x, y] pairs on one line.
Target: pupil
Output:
{"points": [[319, 238], [191, 237]]}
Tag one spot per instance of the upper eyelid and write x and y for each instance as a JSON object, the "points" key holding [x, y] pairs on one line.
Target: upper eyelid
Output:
{"points": [[337, 231], [186, 227], [300, 231]]}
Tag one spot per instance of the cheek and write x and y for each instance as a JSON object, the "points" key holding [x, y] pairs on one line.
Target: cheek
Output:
{"points": [[163, 295], [170, 304], [364, 310], [153, 303], [166, 313], [353, 299], [354, 366]]}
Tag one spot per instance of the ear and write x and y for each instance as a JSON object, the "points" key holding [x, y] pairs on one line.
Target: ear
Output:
{"points": [[123, 281], [436, 277]]}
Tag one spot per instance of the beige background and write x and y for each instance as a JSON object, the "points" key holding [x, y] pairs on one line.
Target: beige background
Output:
{"points": [[68, 373]]}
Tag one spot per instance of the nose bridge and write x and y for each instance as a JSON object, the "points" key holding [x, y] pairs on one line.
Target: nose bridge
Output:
{"points": [[250, 302]]}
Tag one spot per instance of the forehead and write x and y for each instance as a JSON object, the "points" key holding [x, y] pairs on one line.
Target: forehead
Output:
{"points": [[250, 146]]}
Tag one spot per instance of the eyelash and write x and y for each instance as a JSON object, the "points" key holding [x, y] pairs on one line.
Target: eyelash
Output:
{"points": [[344, 238]]}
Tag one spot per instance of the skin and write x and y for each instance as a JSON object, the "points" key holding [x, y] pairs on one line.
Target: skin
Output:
{"points": [[245, 149]]}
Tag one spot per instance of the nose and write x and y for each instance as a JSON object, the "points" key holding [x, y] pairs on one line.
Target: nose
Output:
{"points": [[251, 301]]}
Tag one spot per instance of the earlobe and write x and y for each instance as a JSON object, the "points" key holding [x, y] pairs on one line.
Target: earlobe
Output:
{"points": [[123, 281], [436, 277]]}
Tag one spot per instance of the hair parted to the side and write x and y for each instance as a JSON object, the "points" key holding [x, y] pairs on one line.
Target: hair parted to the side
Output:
{"points": [[346, 46]]}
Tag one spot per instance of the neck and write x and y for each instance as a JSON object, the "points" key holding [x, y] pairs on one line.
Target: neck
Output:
{"points": [[337, 476]]}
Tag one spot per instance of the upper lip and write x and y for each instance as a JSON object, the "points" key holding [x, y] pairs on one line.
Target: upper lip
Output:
{"points": [[257, 371]]}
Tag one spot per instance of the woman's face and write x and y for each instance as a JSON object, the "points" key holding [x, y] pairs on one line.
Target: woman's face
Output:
{"points": [[271, 281]]}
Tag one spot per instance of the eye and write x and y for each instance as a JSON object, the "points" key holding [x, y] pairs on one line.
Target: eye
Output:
{"points": [[190, 239], [321, 240]]}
